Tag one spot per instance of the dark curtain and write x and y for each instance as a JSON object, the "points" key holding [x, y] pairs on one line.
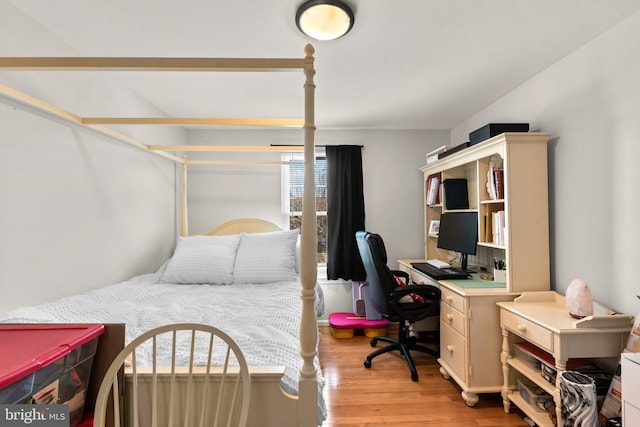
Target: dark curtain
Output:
{"points": [[345, 212]]}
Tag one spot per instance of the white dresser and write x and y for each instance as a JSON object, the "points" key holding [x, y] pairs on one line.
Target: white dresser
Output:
{"points": [[630, 389]]}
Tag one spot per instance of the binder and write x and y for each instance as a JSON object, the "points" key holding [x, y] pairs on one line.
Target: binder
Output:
{"points": [[456, 195]]}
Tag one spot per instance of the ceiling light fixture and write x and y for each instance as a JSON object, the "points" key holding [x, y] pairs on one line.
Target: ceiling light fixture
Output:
{"points": [[324, 19]]}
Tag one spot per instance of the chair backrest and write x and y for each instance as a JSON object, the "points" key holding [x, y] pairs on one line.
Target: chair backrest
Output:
{"points": [[182, 374], [381, 280]]}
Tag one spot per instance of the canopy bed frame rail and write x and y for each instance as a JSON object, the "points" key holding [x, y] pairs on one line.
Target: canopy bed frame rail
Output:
{"points": [[304, 406]]}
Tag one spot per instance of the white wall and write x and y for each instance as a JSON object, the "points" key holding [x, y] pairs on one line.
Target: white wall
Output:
{"points": [[589, 102], [78, 212], [221, 193], [392, 181]]}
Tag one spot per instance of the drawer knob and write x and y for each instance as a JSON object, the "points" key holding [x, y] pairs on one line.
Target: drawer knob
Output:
{"points": [[449, 298], [450, 348], [522, 328], [449, 318]]}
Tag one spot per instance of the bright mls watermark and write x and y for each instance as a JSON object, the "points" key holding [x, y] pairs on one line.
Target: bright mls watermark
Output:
{"points": [[34, 415]]}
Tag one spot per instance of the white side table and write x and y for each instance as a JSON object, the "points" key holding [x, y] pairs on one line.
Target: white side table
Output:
{"points": [[630, 390], [541, 318]]}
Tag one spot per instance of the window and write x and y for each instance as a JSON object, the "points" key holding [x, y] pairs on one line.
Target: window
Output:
{"points": [[293, 189]]}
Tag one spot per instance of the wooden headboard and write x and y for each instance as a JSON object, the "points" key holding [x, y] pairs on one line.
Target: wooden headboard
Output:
{"points": [[243, 225]]}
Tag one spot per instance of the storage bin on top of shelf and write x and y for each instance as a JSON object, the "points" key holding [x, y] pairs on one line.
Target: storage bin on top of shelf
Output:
{"points": [[48, 364]]}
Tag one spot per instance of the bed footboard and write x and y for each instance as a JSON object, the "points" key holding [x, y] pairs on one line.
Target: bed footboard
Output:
{"points": [[270, 405]]}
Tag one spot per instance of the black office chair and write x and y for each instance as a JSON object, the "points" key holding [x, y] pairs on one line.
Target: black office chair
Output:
{"points": [[386, 296]]}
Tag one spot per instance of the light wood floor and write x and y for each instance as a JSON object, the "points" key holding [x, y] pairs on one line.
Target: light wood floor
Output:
{"points": [[385, 395]]}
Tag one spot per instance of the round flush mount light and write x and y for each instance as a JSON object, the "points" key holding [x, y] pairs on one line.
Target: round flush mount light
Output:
{"points": [[324, 19]]}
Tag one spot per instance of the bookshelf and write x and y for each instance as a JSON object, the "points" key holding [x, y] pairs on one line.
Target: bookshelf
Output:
{"points": [[507, 187], [470, 338]]}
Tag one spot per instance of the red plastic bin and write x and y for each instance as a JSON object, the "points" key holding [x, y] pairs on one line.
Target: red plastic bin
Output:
{"points": [[47, 364]]}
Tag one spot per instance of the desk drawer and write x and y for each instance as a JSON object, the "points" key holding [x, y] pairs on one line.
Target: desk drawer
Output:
{"points": [[452, 318], [452, 350], [421, 279], [451, 298], [528, 330], [630, 415]]}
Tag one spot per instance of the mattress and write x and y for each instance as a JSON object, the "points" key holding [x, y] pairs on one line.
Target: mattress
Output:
{"points": [[264, 319]]}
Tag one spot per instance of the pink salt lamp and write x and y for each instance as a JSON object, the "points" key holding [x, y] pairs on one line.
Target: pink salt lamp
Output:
{"points": [[579, 299]]}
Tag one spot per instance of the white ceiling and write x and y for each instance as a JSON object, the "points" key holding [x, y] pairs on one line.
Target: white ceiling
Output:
{"points": [[407, 64]]}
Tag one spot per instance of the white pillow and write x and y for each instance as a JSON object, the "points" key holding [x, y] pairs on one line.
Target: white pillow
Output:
{"points": [[203, 259], [266, 257]]}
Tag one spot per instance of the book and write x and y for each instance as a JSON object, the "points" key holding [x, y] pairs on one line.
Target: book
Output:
{"points": [[498, 183], [491, 187], [498, 227], [495, 184], [433, 190], [488, 237]]}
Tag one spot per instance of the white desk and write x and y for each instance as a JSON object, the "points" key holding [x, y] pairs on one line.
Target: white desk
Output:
{"points": [[470, 340], [542, 319]]}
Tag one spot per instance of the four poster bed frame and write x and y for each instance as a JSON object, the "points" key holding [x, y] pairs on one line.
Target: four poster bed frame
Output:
{"points": [[270, 404]]}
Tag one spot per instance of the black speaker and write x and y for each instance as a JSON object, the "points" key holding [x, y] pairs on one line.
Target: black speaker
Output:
{"points": [[456, 195]]}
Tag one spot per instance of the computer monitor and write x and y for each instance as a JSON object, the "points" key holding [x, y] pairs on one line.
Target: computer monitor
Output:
{"points": [[459, 233]]}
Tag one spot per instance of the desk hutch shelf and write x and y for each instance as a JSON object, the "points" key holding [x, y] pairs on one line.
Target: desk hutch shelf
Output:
{"points": [[525, 243]]}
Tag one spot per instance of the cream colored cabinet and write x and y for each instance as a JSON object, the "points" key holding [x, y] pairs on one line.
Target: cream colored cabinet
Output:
{"points": [[542, 319], [524, 245], [470, 340]]}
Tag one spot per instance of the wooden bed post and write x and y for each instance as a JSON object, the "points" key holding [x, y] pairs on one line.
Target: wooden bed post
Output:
{"points": [[308, 381], [185, 219]]}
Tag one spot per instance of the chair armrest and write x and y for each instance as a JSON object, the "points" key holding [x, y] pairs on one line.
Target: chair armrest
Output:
{"points": [[402, 274], [415, 311], [428, 292]]}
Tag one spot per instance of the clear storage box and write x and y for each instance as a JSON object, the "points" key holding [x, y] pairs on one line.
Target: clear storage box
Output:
{"points": [[533, 394], [523, 354], [47, 364]]}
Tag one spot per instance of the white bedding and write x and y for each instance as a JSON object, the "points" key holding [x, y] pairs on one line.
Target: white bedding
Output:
{"points": [[263, 319]]}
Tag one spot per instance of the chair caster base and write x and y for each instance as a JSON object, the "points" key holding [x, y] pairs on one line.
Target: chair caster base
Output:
{"points": [[367, 363]]}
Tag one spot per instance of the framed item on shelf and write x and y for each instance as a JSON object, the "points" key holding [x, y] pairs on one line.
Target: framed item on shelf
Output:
{"points": [[434, 227]]}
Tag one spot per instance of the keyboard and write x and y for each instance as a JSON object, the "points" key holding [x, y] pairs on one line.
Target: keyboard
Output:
{"points": [[439, 273]]}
